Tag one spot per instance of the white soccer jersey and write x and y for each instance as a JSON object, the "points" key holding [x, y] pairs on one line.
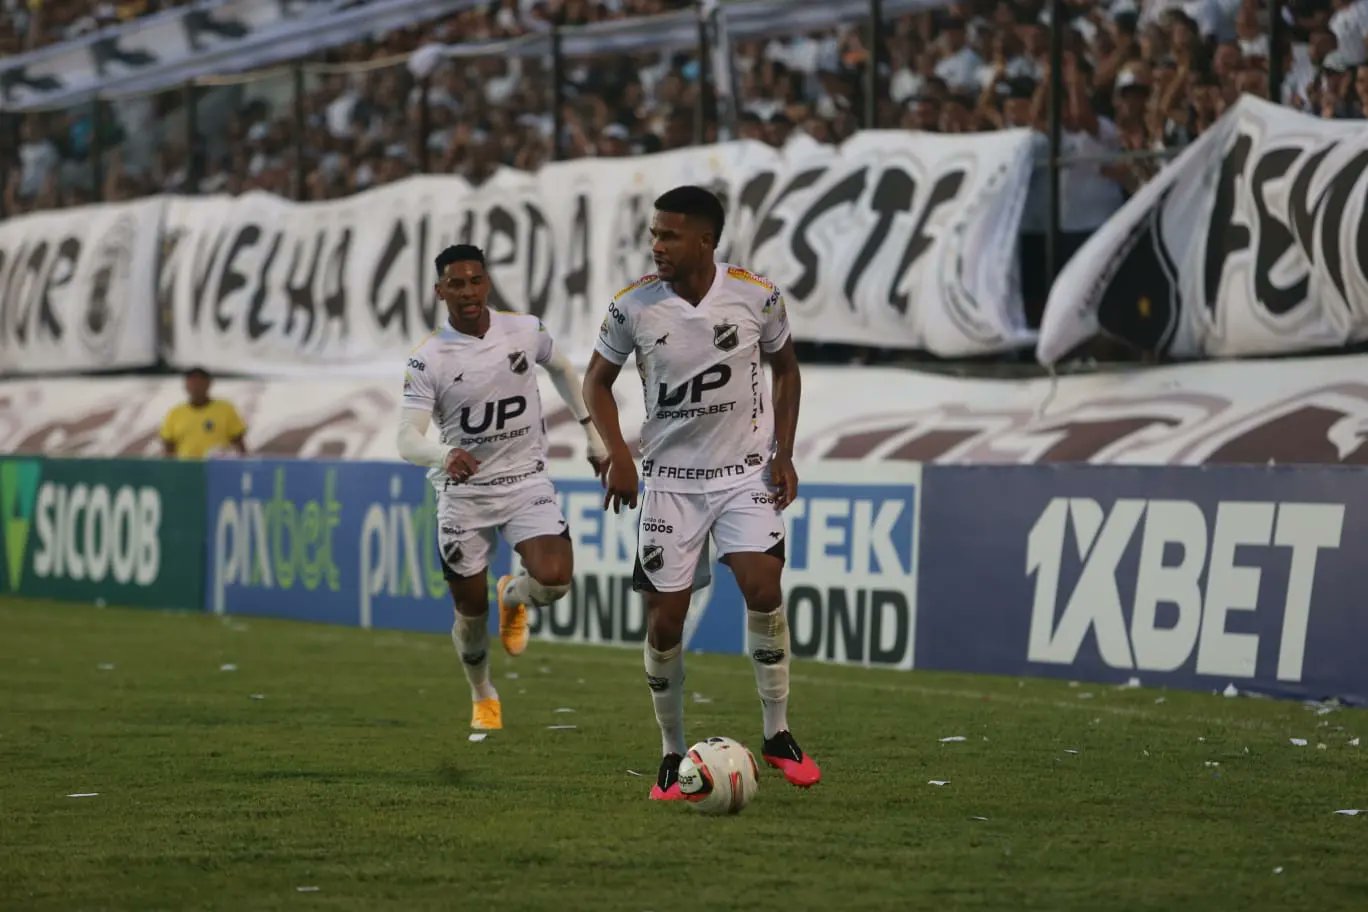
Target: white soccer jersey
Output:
{"points": [[482, 393], [709, 425]]}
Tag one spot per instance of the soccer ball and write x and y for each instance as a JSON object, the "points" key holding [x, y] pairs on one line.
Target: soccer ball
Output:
{"points": [[718, 776]]}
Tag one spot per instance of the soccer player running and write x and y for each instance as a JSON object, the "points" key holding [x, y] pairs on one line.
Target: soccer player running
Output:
{"points": [[474, 375], [716, 456]]}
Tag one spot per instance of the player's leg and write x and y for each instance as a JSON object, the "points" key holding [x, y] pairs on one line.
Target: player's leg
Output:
{"points": [[470, 634], [750, 536], [537, 530], [670, 537], [465, 556]]}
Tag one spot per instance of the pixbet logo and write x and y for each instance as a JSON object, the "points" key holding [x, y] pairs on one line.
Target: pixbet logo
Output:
{"points": [[1204, 600]]}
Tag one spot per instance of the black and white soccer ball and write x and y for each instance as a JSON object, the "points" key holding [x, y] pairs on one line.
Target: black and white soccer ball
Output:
{"points": [[718, 776]]}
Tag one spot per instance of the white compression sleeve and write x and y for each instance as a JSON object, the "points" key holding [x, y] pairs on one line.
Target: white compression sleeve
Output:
{"points": [[567, 382], [414, 444]]}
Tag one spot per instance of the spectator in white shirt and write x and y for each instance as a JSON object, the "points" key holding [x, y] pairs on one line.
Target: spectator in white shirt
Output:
{"points": [[960, 65], [1350, 25]]}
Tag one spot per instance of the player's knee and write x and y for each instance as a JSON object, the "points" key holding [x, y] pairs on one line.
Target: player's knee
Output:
{"points": [[544, 593], [664, 631], [764, 598], [553, 574]]}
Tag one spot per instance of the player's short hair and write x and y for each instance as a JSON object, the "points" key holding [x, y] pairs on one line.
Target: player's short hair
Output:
{"points": [[198, 372], [696, 202], [459, 253]]}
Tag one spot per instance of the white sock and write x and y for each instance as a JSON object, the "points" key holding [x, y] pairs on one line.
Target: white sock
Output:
{"points": [[471, 636], [524, 590], [665, 677], [768, 644]]}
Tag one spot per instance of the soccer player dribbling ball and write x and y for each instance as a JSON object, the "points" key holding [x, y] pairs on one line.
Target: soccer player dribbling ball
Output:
{"points": [[717, 458], [474, 375]]}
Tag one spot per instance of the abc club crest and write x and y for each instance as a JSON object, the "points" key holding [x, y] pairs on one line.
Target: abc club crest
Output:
{"points": [[653, 557], [726, 336], [517, 361]]}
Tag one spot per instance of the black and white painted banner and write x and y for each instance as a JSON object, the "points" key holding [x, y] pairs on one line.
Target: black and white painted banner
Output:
{"points": [[1253, 241], [211, 37], [894, 239], [76, 289]]}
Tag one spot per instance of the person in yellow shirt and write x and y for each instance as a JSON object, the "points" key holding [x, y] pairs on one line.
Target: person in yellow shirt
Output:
{"points": [[201, 426]]}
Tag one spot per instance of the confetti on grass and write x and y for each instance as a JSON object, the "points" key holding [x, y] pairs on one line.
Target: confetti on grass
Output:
{"points": [[96, 794]]}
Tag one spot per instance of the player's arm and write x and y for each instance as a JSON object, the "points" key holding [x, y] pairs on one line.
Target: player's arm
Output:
{"points": [[168, 435], [616, 341], [237, 431], [787, 390], [412, 441], [569, 387], [776, 341], [620, 479]]}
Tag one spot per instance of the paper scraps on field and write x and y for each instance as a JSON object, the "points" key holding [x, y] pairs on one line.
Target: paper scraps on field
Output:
{"points": [[1353, 742], [1158, 700], [1230, 691], [1070, 750], [938, 782], [512, 676], [562, 709], [635, 773], [1131, 684], [699, 698], [257, 696], [477, 737], [306, 889], [228, 666], [1086, 695], [561, 727], [1298, 742], [952, 739], [96, 794], [1278, 869], [545, 669], [1322, 746], [978, 818], [1351, 812], [105, 666], [1212, 763]]}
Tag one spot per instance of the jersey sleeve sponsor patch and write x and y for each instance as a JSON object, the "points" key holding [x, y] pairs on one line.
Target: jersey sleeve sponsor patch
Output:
{"points": [[745, 275], [644, 280]]}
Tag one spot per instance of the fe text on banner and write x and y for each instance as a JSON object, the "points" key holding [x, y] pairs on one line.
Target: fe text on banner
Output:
{"points": [[129, 532], [1180, 577], [1251, 242]]}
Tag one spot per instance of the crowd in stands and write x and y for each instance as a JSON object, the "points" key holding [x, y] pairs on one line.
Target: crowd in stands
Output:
{"points": [[1142, 78]]}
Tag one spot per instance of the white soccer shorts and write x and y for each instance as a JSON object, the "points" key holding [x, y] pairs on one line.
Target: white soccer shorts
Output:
{"points": [[468, 525], [673, 531]]}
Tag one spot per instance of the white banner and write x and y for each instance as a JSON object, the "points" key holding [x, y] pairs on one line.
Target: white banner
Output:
{"points": [[894, 239], [1300, 410], [1253, 241], [76, 289], [207, 38]]}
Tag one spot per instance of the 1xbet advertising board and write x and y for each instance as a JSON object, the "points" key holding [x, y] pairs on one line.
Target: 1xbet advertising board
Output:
{"points": [[1193, 578], [355, 543], [124, 531]]}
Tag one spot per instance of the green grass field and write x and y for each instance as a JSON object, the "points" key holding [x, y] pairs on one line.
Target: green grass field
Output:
{"points": [[350, 772]]}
